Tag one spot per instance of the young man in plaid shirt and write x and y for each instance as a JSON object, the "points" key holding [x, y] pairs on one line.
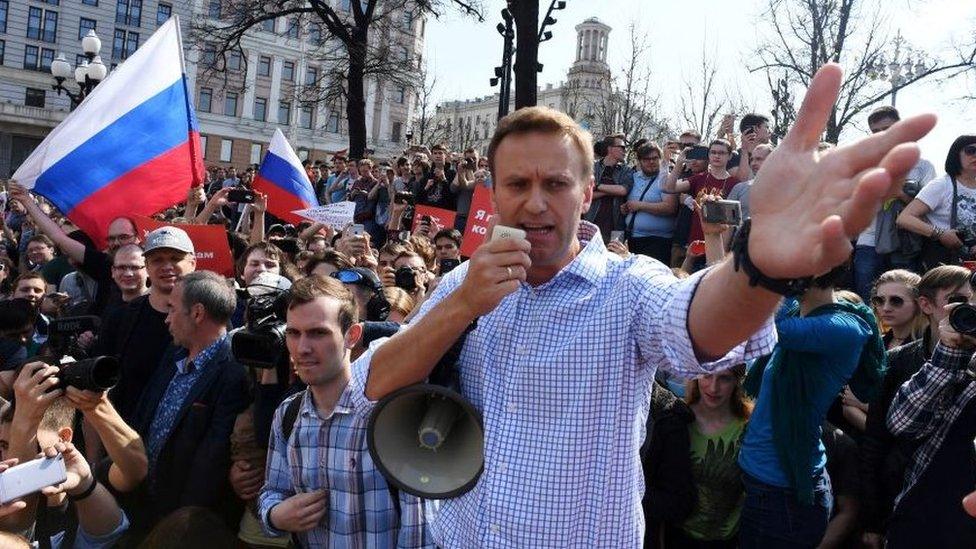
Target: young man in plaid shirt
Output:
{"points": [[936, 409], [321, 485]]}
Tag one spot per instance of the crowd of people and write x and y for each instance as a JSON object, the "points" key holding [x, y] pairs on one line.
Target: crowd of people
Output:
{"points": [[846, 420]]}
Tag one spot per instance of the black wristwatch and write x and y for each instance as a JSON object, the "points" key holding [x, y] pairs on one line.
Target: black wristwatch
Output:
{"points": [[788, 287]]}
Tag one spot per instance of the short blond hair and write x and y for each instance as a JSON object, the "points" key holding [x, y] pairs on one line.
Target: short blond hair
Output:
{"points": [[547, 121]]}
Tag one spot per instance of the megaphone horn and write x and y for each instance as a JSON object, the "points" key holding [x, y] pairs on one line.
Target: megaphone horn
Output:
{"points": [[427, 440]]}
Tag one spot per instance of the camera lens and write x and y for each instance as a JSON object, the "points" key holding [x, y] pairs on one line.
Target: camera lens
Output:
{"points": [[963, 319]]}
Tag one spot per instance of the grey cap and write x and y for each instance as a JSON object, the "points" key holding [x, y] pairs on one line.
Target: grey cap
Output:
{"points": [[168, 237], [266, 283]]}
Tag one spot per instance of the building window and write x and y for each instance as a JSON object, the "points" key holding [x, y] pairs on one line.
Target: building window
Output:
{"points": [[214, 9], [47, 57], [203, 146], [3, 15], [124, 44], [128, 12], [408, 18], [90, 2], [401, 94], [31, 57], [284, 113], [311, 76], [208, 56], [264, 66], [305, 118], [84, 26], [3, 46], [41, 24], [346, 5], [315, 33], [225, 149], [255, 153], [52, 2], [260, 109], [268, 25], [230, 103], [34, 98], [206, 100], [234, 61], [293, 27], [163, 13], [80, 59], [288, 71], [396, 133], [333, 125]]}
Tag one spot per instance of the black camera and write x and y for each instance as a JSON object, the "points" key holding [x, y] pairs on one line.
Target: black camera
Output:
{"points": [[78, 370], [404, 197], [261, 342], [962, 318], [405, 278], [966, 236], [911, 187]]}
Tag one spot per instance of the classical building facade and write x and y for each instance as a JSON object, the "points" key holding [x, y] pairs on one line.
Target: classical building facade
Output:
{"points": [[585, 95], [238, 110]]}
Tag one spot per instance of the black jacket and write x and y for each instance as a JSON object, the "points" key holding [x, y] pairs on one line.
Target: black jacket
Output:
{"points": [[194, 461], [884, 458], [669, 487]]}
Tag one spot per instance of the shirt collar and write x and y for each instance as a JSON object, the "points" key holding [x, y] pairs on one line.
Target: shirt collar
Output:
{"points": [[202, 359], [590, 263], [344, 406]]}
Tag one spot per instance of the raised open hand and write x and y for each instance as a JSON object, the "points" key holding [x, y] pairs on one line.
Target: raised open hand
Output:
{"points": [[805, 209]]}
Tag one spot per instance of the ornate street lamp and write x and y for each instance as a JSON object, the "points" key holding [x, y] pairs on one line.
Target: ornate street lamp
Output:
{"points": [[905, 66], [87, 74]]}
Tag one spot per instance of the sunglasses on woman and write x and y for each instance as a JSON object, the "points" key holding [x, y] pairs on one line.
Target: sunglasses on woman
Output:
{"points": [[880, 300]]}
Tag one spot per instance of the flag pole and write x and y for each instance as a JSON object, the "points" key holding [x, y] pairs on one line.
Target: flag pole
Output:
{"points": [[194, 148]]}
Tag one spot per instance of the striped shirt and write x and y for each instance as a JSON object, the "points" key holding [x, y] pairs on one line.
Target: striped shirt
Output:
{"points": [[927, 405], [562, 375], [329, 453]]}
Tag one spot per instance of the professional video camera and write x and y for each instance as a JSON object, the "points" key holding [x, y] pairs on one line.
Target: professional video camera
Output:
{"points": [[261, 342], [78, 370]]}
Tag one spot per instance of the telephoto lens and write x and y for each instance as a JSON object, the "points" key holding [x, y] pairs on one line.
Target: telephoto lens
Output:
{"points": [[100, 373], [962, 318]]}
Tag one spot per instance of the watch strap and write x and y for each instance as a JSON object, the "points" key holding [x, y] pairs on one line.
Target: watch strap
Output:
{"points": [[788, 287]]}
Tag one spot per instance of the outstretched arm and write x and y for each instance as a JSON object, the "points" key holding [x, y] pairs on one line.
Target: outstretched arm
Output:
{"points": [[822, 202]]}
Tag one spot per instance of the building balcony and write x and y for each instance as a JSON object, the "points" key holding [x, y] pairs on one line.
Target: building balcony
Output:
{"points": [[11, 113]]}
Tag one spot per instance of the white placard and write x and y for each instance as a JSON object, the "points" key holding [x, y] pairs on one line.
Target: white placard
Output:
{"points": [[337, 215]]}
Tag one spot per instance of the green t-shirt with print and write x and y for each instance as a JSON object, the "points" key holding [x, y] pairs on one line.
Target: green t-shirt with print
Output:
{"points": [[718, 482]]}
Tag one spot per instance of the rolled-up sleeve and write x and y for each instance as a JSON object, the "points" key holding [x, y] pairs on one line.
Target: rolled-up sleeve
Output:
{"points": [[662, 327]]}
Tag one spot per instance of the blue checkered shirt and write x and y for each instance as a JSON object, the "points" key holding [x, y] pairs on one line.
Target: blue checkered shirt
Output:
{"points": [[330, 454], [187, 372], [926, 406], [562, 375]]}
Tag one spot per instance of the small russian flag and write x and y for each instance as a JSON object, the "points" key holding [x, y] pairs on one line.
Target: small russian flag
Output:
{"points": [[131, 148], [283, 179]]}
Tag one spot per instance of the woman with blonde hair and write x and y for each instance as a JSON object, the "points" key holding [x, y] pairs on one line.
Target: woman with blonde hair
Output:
{"points": [[894, 301], [721, 410]]}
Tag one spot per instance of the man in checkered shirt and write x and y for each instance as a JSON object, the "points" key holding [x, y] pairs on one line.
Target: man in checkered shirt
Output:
{"points": [[569, 336]]}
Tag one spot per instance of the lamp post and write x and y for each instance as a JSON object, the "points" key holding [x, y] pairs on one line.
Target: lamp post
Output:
{"points": [[87, 74], [900, 70], [503, 74]]}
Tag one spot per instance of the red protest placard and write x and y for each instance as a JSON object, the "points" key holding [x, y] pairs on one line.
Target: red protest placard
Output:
{"points": [[480, 214], [441, 218], [209, 243]]}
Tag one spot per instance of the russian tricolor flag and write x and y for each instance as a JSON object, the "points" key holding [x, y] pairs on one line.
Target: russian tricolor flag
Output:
{"points": [[283, 179], [131, 148]]}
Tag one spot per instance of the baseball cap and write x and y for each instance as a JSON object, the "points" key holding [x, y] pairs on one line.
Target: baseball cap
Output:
{"points": [[266, 283], [169, 237]]}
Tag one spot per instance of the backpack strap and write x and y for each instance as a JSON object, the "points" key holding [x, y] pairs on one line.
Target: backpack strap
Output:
{"points": [[290, 416]]}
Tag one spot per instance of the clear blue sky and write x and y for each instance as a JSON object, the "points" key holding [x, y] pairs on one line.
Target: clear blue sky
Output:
{"points": [[463, 52]]}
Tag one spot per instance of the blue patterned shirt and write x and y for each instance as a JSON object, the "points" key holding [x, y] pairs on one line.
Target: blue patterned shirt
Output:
{"points": [[187, 372], [330, 453], [562, 375]]}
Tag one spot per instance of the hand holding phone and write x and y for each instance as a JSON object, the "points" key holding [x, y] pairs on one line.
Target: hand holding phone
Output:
{"points": [[241, 196], [30, 477]]}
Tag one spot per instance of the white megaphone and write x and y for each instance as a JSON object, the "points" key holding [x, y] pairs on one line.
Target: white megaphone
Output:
{"points": [[426, 439]]}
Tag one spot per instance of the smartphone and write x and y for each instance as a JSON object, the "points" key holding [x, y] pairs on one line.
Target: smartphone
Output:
{"points": [[617, 235], [403, 197], [242, 196], [403, 236], [697, 153], [27, 478], [697, 247], [501, 231], [448, 265], [727, 212], [357, 230]]}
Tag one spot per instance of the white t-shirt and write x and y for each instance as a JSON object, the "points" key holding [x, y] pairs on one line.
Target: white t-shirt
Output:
{"points": [[923, 172], [937, 195]]}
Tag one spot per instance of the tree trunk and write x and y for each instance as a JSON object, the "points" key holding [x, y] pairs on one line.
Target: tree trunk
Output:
{"points": [[356, 96], [526, 14]]}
